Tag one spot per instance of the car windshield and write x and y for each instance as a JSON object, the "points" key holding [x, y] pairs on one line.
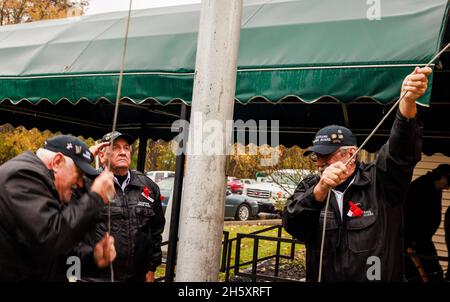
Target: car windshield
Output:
{"points": [[283, 180], [166, 184], [290, 177]]}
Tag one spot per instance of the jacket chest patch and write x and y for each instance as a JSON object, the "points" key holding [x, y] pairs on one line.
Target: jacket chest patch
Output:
{"points": [[144, 204], [368, 213], [148, 198], [356, 211]]}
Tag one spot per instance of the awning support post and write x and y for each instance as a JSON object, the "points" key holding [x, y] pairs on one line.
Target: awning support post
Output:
{"points": [[142, 152], [176, 205]]}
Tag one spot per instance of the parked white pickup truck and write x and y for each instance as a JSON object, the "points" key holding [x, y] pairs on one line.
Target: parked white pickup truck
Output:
{"points": [[280, 184]]}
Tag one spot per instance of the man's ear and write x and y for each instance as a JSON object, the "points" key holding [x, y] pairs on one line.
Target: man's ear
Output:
{"points": [[350, 152], [103, 155], [58, 161]]}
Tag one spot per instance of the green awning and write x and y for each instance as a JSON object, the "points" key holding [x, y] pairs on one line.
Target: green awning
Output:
{"points": [[307, 49]]}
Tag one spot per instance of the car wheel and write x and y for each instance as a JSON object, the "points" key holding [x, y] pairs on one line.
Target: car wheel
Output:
{"points": [[243, 212]]}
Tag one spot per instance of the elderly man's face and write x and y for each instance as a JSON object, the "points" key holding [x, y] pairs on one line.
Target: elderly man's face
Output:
{"points": [[120, 158], [67, 177], [323, 161]]}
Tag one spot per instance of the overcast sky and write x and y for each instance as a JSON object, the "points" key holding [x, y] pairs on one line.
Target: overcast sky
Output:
{"points": [[102, 6]]}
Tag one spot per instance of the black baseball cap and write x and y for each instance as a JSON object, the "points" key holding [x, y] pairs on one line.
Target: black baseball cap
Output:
{"points": [[115, 135], [330, 138], [74, 148]]}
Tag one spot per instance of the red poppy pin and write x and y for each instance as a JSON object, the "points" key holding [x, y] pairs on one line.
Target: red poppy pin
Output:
{"points": [[355, 210], [146, 193]]}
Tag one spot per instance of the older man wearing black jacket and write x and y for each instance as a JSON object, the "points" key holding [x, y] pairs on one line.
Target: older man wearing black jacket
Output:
{"points": [[38, 224], [363, 239], [137, 219]]}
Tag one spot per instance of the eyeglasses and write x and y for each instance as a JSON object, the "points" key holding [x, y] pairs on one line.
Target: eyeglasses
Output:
{"points": [[323, 158]]}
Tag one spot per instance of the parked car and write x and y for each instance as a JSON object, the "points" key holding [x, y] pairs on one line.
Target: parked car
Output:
{"points": [[266, 190], [248, 181], [159, 175], [237, 207], [266, 206], [279, 185], [235, 185]]}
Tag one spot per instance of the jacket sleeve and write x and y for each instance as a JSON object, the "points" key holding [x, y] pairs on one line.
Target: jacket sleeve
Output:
{"points": [[85, 252], [157, 228], [397, 158], [85, 248], [43, 224], [301, 213]]}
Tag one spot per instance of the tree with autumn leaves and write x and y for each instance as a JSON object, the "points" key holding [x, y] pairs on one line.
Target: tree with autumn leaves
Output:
{"points": [[21, 11], [15, 141], [246, 161]]}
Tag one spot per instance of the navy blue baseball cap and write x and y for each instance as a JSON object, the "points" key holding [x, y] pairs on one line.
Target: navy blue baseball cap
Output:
{"points": [[74, 148], [115, 135], [328, 139]]}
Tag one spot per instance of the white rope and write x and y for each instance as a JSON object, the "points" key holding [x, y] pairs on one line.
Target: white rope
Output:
{"points": [[392, 109], [116, 112], [323, 235], [353, 157]]}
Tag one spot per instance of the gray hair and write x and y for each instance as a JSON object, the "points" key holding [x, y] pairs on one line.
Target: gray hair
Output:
{"points": [[344, 149], [47, 156]]}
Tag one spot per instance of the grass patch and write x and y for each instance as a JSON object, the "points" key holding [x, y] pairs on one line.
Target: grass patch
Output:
{"points": [[265, 248]]}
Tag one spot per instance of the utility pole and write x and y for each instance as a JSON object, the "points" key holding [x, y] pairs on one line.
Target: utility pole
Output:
{"points": [[203, 199]]}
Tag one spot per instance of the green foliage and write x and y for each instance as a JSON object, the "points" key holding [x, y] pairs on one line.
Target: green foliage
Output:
{"points": [[160, 156], [14, 141], [21, 11], [251, 160]]}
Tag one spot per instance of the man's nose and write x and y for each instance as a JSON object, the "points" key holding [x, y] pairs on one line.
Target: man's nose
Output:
{"points": [[122, 151]]}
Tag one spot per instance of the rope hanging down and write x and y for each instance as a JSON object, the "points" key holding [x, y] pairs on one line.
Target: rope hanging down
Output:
{"points": [[353, 157], [116, 113]]}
